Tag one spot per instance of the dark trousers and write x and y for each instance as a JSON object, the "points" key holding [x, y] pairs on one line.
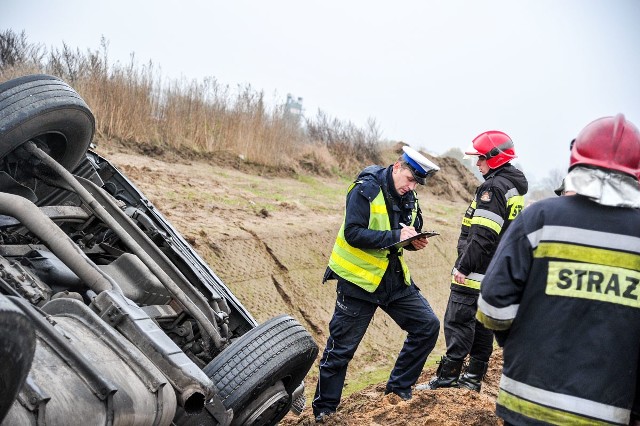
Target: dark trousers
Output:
{"points": [[462, 332], [350, 320]]}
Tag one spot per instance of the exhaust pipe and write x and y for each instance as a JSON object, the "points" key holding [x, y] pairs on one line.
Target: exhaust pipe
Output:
{"points": [[60, 244]]}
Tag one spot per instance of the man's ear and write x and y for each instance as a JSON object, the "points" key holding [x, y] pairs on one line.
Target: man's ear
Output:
{"points": [[396, 166]]}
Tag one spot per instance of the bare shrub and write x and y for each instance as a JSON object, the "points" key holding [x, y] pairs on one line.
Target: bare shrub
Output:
{"points": [[349, 144], [18, 56], [133, 106]]}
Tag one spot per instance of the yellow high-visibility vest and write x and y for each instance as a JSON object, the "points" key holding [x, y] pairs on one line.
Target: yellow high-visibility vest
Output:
{"points": [[365, 267]]}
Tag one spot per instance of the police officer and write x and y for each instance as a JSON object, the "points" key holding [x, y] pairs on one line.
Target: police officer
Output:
{"points": [[381, 209], [562, 290], [497, 201]]}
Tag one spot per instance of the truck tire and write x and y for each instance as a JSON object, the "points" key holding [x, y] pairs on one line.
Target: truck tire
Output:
{"points": [[257, 374], [45, 109], [17, 347]]}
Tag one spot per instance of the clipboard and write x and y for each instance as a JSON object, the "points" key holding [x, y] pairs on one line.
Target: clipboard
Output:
{"points": [[406, 241]]}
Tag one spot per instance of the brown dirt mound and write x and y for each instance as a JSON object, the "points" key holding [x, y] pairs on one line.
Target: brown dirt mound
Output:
{"points": [[442, 407]]}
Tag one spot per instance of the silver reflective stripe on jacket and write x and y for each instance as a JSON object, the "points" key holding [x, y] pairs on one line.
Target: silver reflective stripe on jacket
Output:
{"points": [[542, 404]]}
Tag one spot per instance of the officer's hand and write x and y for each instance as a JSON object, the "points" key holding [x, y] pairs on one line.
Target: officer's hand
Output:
{"points": [[407, 232], [420, 243]]}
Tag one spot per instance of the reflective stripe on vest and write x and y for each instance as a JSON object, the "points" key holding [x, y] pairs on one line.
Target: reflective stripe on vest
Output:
{"points": [[366, 267]]}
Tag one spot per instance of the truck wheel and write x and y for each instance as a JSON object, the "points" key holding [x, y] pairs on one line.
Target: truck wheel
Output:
{"points": [[45, 109], [17, 346], [257, 374]]}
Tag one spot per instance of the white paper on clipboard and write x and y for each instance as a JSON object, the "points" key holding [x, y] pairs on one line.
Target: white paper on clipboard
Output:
{"points": [[406, 241]]}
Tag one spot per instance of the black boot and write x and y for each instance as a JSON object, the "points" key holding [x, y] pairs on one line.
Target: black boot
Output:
{"points": [[446, 375], [473, 374]]}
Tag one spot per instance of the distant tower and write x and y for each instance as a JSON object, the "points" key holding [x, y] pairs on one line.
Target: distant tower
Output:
{"points": [[293, 107]]}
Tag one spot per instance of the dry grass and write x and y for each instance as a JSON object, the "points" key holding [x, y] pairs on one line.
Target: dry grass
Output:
{"points": [[134, 106]]}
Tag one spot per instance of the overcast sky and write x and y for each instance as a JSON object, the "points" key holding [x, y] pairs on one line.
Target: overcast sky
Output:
{"points": [[431, 73]]}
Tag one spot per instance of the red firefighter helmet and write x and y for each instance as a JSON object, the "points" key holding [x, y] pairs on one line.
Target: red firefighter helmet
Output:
{"points": [[495, 146], [611, 143]]}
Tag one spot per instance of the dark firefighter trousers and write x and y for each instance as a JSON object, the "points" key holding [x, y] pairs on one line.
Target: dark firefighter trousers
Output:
{"points": [[462, 332]]}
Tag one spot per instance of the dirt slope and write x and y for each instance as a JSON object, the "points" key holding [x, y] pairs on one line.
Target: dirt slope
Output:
{"points": [[269, 238]]}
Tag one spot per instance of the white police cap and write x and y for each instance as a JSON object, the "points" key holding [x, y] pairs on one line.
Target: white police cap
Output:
{"points": [[421, 167]]}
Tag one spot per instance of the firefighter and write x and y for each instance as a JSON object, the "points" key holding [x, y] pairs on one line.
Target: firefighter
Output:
{"points": [[382, 208], [498, 200], [563, 295]]}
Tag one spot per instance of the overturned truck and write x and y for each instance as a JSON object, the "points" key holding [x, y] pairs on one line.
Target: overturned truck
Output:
{"points": [[107, 315]]}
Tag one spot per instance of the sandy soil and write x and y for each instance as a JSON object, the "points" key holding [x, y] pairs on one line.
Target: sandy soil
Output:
{"points": [[450, 407], [268, 237]]}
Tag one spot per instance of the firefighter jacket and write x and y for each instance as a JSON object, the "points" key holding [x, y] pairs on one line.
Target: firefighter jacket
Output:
{"points": [[497, 201], [563, 289], [372, 220]]}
